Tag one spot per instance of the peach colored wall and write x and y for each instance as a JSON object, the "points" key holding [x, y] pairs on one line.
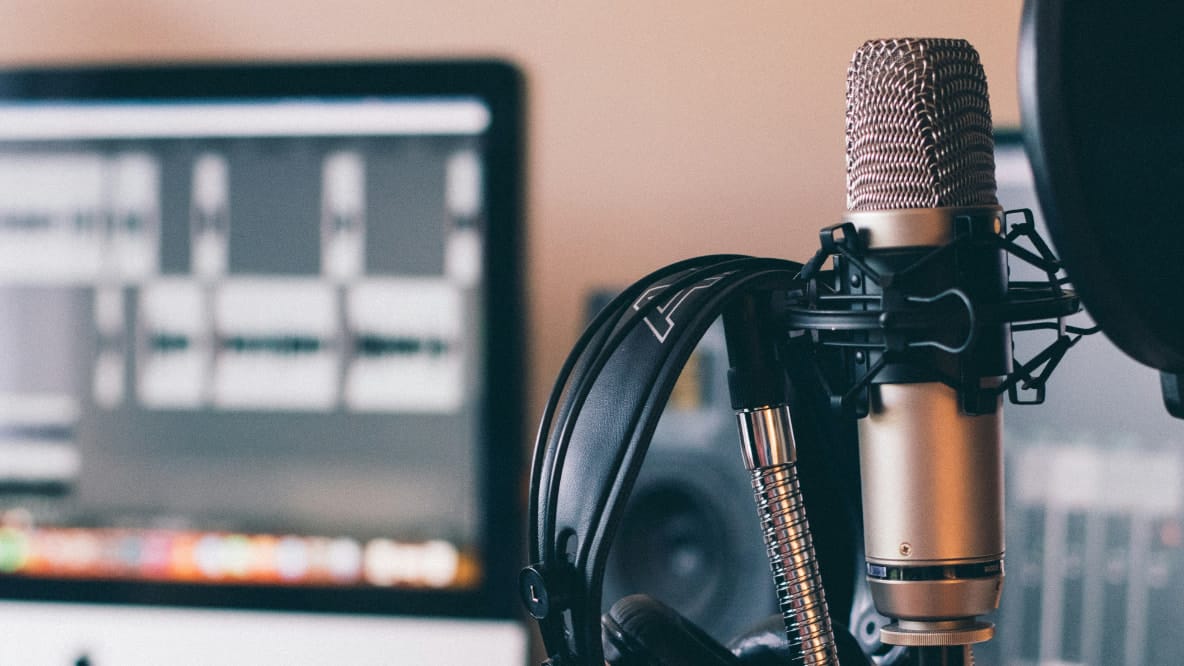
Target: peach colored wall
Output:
{"points": [[658, 130]]}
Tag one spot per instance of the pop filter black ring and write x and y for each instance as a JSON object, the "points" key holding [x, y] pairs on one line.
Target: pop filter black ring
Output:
{"points": [[1099, 85]]}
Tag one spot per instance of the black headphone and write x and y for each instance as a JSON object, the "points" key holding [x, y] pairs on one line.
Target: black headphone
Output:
{"points": [[593, 438]]}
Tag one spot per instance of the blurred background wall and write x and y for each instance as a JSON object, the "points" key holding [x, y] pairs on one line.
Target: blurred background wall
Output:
{"points": [[657, 130]]}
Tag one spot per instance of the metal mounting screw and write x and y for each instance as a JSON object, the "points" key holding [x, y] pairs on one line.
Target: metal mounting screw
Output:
{"points": [[906, 549]]}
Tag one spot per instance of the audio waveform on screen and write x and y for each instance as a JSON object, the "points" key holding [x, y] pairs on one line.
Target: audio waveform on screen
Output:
{"points": [[300, 343]]}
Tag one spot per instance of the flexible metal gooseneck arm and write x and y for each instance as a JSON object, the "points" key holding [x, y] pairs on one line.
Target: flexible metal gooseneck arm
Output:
{"points": [[759, 393]]}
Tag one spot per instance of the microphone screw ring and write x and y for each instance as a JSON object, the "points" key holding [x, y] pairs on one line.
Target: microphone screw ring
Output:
{"points": [[919, 635]]}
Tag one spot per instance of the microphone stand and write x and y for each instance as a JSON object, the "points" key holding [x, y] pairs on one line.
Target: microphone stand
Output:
{"points": [[947, 655]]}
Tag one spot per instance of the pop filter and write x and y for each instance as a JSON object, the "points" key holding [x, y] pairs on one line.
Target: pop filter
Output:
{"points": [[1101, 89]]}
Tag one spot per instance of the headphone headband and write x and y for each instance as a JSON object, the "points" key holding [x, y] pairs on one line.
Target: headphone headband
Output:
{"points": [[596, 430]]}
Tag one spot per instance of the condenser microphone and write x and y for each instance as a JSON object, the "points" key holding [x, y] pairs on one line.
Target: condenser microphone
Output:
{"points": [[920, 179]]}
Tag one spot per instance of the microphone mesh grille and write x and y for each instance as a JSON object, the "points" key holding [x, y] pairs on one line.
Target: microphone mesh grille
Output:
{"points": [[918, 126]]}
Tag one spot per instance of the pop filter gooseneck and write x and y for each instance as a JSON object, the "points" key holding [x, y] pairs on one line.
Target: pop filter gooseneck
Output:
{"points": [[1101, 85]]}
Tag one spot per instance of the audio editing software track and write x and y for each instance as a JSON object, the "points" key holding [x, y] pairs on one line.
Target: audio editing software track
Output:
{"points": [[245, 310], [211, 336]]}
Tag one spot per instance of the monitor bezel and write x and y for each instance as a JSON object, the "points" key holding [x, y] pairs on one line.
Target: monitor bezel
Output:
{"points": [[499, 85]]}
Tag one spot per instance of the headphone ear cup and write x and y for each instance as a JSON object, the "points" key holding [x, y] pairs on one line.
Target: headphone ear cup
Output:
{"points": [[640, 631]]}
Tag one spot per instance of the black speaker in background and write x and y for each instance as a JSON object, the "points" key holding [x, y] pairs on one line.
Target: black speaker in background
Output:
{"points": [[690, 535]]}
